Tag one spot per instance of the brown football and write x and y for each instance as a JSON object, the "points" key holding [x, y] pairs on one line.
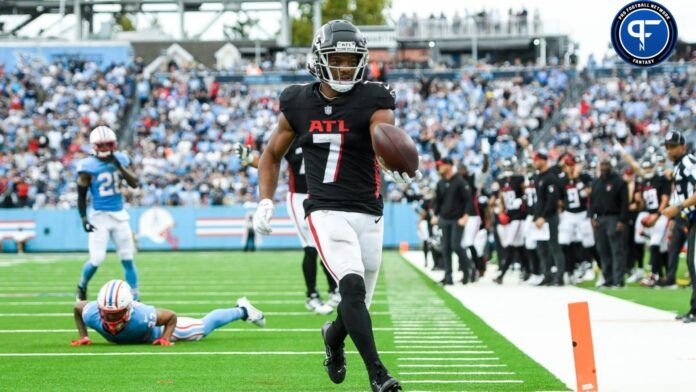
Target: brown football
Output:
{"points": [[395, 148]]}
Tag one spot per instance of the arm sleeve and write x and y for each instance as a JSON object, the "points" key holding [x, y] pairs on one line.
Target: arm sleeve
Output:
{"points": [[551, 202], [691, 174], [82, 200], [592, 209], [623, 200], [436, 151], [436, 201], [468, 195]]}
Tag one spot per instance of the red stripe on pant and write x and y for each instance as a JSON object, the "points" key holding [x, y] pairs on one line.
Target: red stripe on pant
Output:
{"points": [[294, 217], [321, 252]]}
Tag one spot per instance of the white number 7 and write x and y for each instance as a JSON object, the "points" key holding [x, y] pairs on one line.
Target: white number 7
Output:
{"points": [[335, 151]]}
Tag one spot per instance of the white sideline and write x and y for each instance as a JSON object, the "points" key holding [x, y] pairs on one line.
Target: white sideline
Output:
{"points": [[637, 348]]}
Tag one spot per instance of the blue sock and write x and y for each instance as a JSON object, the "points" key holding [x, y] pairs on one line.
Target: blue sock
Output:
{"points": [[221, 317], [131, 277], [88, 271]]}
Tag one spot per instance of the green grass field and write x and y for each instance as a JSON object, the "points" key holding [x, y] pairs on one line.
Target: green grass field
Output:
{"points": [[426, 337]]}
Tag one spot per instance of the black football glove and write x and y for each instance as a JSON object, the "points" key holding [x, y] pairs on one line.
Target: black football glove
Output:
{"points": [[87, 226], [244, 153]]}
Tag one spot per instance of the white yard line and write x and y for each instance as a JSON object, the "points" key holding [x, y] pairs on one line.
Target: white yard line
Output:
{"points": [[452, 373], [629, 339], [253, 330], [463, 381], [418, 359], [300, 314], [204, 353], [230, 303], [435, 365]]}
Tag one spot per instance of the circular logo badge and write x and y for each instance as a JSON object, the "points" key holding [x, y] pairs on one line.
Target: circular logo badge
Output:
{"points": [[644, 33]]}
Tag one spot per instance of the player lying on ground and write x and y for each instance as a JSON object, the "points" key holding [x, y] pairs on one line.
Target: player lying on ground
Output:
{"points": [[119, 319]]}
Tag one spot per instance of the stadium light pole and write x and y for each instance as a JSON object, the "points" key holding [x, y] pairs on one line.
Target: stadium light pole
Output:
{"points": [[474, 38], [285, 34], [78, 17], [182, 10], [316, 17]]}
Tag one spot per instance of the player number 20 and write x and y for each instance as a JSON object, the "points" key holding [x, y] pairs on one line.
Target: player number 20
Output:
{"points": [[335, 148], [110, 183]]}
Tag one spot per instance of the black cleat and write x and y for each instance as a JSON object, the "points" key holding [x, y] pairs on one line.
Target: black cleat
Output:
{"points": [[335, 362], [382, 382], [81, 294]]}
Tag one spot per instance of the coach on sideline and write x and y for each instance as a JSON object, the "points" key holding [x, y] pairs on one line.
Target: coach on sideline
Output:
{"points": [[454, 203], [609, 213], [683, 203]]}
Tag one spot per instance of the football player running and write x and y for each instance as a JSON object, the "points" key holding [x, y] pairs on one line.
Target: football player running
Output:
{"points": [[297, 194], [119, 319], [101, 174], [333, 121]]}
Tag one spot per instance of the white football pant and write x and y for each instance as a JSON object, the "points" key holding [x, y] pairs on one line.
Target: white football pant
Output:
{"points": [[296, 213], [511, 234], [575, 227], [655, 235], [112, 225], [349, 243]]}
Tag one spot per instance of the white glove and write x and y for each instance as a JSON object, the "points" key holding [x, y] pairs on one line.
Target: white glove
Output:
{"points": [[485, 147], [244, 153], [262, 217], [402, 178]]}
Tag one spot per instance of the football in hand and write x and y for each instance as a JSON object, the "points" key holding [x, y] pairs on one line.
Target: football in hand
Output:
{"points": [[395, 149]]}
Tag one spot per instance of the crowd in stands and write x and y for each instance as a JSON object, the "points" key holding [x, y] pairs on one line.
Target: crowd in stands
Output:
{"points": [[186, 126], [484, 22], [46, 113]]}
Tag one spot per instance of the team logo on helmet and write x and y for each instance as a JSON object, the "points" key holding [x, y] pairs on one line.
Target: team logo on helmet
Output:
{"points": [[644, 33]]}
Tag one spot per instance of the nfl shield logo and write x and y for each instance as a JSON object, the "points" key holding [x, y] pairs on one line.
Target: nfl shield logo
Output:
{"points": [[328, 110]]}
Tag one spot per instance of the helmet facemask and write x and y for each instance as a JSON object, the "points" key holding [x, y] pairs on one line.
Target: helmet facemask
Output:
{"points": [[332, 75], [115, 320], [104, 149]]}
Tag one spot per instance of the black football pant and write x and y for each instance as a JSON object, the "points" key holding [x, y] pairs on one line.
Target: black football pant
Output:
{"points": [[679, 234], [635, 252], [610, 245], [550, 253], [690, 260], [451, 242]]}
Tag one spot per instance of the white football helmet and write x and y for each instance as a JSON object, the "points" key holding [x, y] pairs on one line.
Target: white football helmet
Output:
{"points": [[103, 141], [115, 302]]}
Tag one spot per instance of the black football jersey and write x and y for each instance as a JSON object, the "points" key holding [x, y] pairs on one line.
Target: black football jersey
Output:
{"points": [[575, 192], [512, 194], [297, 181], [340, 165], [530, 196], [652, 190]]}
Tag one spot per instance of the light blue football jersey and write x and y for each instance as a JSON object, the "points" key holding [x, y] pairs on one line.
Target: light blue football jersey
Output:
{"points": [[140, 329], [106, 181]]}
